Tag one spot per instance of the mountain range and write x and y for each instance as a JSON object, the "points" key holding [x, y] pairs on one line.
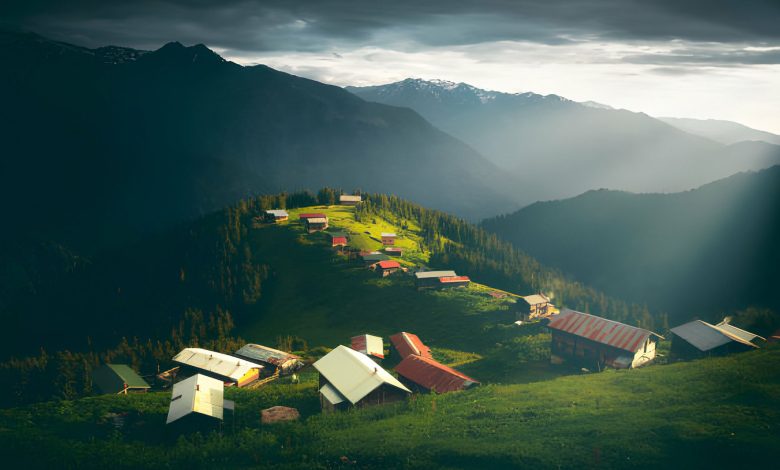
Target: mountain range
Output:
{"points": [[705, 252], [108, 143], [725, 132], [553, 147]]}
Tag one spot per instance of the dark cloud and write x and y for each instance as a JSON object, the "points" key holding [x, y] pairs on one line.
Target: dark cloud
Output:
{"points": [[721, 56], [316, 25]]}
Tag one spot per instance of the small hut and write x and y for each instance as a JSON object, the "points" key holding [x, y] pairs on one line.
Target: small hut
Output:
{"points": [[393, 251], [350, 199], [315, 224], [338, 239], [198, 399], [407, 344], [276, 215], [388, 238], [535, 306], [431, 278], [369, 345], [453, 281], [386, 267], [118, 378]]}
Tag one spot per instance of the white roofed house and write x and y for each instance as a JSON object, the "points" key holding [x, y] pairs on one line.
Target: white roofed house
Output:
{"points": [[349, 378], [229, 369], [369, 345], [198, 400]]}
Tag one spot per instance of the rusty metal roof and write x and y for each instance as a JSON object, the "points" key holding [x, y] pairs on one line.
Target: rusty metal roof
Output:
{"points": [[408, 344], [389, 264], [310, 215], [609, 332], [433, 375], [454, 279], [338, 241], [369, 345]]}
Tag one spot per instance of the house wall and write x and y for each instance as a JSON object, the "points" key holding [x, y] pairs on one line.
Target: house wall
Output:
{"points": [[566, 347], [388, 241]]}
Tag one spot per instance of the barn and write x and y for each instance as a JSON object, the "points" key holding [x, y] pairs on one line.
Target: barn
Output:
{"points": [[369, 345], [350, 199], [229, 369], [424, 374], [700, 339], [408, 344], [118, 378], [271, 359], [596, 342], [198, 400], [388, 238], [386, 267], [349, 378], [276, 215], [431, 278]]}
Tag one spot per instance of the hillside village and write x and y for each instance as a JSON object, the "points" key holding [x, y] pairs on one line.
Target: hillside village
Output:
{"points": [[368, 371]]}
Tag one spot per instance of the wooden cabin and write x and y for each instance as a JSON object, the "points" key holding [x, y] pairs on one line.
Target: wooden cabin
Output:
{"points": [[315, 224], [596, 343], [338, 239], [118, 378], [196, 401], [231, 370], [535, 306], [349, 378], [386, 267], [350, 199], [393, 251], [446, 282], [271, 359], [409, 344], [424, 374], [276, 215], [431, 278], [388, 238], [698, 338], [369, 345]]}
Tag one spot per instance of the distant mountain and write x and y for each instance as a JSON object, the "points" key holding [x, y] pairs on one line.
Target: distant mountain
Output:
{"points": [[706, 251], [554, 147], [109, 142], [725, 132]]}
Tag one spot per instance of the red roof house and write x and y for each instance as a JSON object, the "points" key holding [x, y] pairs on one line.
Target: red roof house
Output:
{"points": [[428, 374], [312, 215], [338, 241], [408, 344]]}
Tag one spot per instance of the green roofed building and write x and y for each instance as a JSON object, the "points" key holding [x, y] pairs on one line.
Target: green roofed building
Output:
{"points": [[118, 378]]}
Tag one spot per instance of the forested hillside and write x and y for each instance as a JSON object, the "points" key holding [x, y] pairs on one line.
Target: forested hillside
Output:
{"points": [[707, 252], [222, 277]]}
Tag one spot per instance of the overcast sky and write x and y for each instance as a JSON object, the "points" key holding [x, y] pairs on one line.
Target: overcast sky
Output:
{"points": [[686, 58]]}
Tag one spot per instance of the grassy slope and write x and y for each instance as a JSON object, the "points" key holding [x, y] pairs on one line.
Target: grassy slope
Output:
{"points": [[713, 412], [322, 297]]}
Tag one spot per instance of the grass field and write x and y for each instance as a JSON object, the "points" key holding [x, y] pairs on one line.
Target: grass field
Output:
{"points": [[712, 413]]}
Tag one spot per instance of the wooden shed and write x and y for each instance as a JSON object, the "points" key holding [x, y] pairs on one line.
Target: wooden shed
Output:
{"points": [[535, 306], [118, 378], [338, 239], [315, 224], [386, 267], [700, 339], [369, 345], [596, 342], [349, 378]]}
